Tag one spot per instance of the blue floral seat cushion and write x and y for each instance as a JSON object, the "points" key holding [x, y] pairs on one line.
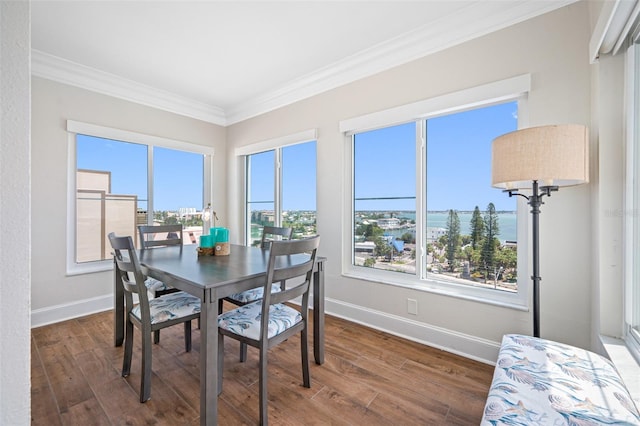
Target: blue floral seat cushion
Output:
{"points": [[541, 382], [245, 320], [171, 306], [253, 294], [154, 285]]}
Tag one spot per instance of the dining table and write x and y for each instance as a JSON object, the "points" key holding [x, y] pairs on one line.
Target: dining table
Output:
{"points": [[212, 278]]}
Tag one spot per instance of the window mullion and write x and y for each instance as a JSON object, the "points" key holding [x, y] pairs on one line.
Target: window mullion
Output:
{"points": [[150, 215], [277, 190], [421, 198], [247, 204]]}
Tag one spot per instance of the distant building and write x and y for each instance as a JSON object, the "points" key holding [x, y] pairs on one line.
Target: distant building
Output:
{"points": [[99, 212], [434, 234], [389, 223], [188, 211], [365, 247]]}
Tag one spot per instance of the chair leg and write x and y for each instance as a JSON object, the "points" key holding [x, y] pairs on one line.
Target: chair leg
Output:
{"points": [[156, 334], [187, 336], [264, 413], [243, 352], [128, 348], [145, 380], [304, 348], [220, 361]]}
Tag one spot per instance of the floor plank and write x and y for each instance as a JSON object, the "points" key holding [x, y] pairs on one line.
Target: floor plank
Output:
{"points": [[369, 378]]}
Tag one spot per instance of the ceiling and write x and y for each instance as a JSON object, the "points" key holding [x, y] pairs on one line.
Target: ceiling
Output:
{"points": [[225, 61]]}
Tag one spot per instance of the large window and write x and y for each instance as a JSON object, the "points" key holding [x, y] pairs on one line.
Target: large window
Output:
{"points": [[281, 190], [424, 212], [632, 218], [121, 180]]}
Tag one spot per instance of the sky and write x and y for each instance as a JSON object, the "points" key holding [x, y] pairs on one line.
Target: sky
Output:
{"points": [[177, 174], [458, 162], [298, 178], [458, 167]]}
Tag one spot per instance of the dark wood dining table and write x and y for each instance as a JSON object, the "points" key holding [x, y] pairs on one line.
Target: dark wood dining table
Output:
{"points": [[211, 278]]}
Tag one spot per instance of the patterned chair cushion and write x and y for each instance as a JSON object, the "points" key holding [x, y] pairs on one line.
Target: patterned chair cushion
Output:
{"points": [[542, 382], [245, 320], [154, 285], [253, 294], [170, 306]]}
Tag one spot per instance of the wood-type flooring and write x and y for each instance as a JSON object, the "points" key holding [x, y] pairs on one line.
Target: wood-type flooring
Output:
{"points": [[369, 378]]}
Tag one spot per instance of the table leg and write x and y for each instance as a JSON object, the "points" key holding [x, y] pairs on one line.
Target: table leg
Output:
{"points": [[118, 308], [318, 313], [209, 359]]}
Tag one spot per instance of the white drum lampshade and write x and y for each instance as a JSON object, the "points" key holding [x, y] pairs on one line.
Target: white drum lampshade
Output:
{"points": [[555, 155]]}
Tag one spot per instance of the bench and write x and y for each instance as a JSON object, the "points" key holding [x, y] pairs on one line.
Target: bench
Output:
{"points": [[541, 382]]}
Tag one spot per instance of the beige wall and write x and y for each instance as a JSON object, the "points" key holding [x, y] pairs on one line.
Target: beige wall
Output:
{"points": [[554, 50], [52, 105], [15, 208]]}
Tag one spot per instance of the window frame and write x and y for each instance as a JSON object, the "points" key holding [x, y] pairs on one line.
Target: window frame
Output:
{"points": [[631, 302], [512, 89], [275, 144], [73, 129]]}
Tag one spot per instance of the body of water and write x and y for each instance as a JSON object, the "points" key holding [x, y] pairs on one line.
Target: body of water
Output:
{"points": [[507, 224]]}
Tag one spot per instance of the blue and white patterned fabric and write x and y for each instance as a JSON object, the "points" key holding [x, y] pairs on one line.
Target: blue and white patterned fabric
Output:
{"points": [[154, 285], [541, 382], [253, 294], [245, 320], [171, 306]]}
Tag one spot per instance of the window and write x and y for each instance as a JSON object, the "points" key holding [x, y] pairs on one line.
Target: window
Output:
{"points": [[424, 212], [121, 180], [281, 189], [632, 218], [261, 193]]}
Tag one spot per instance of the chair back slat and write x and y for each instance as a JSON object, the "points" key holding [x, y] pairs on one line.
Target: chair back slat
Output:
{"points": [[275, 233], [280, 268], [160, 235], [286, 273]]}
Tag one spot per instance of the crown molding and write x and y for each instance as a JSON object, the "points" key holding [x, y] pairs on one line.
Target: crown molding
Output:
{"points": [[63, 71], [429, 39]]}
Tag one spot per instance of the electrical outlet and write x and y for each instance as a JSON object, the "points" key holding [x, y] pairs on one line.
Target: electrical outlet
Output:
{"points": [[412, 306]]}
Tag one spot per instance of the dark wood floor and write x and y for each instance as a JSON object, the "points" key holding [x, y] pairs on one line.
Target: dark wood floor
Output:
{"points": [[369, 378]]}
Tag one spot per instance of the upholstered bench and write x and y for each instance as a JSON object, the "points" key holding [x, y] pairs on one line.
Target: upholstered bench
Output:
{"points": [[541, 382]]}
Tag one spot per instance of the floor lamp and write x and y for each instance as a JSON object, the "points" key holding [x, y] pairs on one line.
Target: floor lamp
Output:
{"points": [[540, 159]]}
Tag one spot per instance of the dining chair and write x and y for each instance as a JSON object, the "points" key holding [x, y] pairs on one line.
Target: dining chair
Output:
{"points": [[267, 322], [148, 315], [159, 236], [269, 234]]}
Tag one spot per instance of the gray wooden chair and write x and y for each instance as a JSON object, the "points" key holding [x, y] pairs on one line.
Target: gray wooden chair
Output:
{"points": [[148, 315], [267, 322], [269, 234], [159, 236]]}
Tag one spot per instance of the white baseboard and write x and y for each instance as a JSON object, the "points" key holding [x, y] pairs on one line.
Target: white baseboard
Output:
{"points": [[451, 341], [58, 313]]}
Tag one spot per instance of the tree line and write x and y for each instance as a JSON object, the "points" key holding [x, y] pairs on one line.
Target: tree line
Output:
{"points": [[480, 248]]}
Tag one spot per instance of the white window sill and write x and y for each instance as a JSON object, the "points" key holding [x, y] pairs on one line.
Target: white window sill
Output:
{"points": [[89, 267], [457, 291], [625, 363]]}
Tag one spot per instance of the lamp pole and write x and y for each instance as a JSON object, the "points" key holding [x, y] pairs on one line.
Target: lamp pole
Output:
{"points": [[535, 201]]}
